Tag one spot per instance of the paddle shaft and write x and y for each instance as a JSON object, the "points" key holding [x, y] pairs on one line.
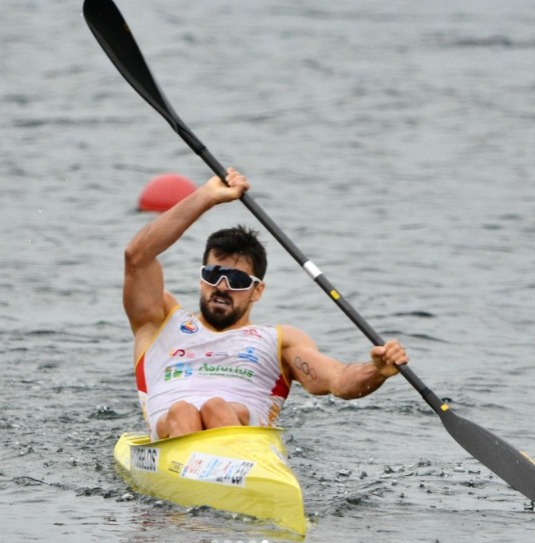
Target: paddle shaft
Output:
{"points": [[113, 34]]}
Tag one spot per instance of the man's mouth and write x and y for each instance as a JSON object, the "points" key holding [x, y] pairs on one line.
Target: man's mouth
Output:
{"points": [[221, 301]]}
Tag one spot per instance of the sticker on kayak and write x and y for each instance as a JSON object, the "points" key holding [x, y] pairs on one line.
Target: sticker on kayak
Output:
{"points": [[217, 469], [144, 458]]}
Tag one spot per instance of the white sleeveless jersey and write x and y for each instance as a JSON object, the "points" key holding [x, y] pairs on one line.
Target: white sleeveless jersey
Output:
{"points": [[186, 361]]}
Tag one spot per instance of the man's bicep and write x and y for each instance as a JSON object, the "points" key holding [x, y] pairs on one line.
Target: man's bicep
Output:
{"points": [[143, 295], [315, 371]]}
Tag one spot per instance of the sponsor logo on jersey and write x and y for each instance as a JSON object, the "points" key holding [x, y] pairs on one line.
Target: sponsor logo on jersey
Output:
{"points": [[189, 327], [249, 354], [225, 371], [181, 353], [176, 371]]}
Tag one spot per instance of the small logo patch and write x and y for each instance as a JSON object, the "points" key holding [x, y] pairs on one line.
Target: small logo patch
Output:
{"points": [[175, 467], [176, 371], [249, 354], [189, 327]]}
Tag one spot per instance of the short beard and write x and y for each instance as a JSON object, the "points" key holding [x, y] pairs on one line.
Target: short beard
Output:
{"points": [[220, 320]]}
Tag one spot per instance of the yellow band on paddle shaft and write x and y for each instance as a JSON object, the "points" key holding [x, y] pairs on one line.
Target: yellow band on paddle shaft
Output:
{"points": [[527, 456]]}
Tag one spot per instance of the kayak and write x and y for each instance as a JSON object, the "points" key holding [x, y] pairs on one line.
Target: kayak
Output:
{"points": [[240, 469]]}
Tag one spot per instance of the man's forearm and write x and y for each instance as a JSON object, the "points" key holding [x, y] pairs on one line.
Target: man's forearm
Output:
{"points": [[358, 380]]}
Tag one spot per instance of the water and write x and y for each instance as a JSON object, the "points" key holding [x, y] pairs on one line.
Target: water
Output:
{"points": [[393, 142]]}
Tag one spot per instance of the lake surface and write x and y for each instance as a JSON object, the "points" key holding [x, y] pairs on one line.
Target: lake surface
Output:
{"points": [[393, 142]]}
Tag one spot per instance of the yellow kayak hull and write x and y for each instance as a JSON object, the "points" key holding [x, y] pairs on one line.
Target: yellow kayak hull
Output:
{"points": [[241, 469]]}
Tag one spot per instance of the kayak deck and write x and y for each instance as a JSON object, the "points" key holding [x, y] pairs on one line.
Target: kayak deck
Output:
{"points": [[241, 469]]}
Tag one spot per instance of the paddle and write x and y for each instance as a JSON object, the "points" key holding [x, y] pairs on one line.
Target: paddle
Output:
{"points": [[113, 34]]}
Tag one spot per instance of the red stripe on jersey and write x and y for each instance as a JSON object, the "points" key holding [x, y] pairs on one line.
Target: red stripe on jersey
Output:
{"points": [[280, 389], [140, 375]]}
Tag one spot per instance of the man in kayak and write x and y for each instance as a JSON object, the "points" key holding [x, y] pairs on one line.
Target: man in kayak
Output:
{"points": [[216, 368]]}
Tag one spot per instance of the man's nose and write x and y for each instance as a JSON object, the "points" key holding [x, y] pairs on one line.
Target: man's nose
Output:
{"points": [[223, 284]]}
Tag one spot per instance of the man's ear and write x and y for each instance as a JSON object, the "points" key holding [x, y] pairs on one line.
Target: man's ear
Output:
{"points": [[258, 291]]}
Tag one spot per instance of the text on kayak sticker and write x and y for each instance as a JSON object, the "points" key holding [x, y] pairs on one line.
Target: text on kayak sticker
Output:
{"points": [[144, 458], [217, 469]]}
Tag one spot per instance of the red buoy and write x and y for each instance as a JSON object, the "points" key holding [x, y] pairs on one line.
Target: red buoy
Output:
{"points": [[164, 191]]}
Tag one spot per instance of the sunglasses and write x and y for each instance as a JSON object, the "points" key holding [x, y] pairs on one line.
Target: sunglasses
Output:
{"points": [[236, 279]]}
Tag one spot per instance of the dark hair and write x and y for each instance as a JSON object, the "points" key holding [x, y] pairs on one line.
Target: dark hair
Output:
{"points": [[238, 240]]}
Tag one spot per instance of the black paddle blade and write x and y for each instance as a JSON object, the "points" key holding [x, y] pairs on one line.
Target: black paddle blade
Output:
{"points": [[112, 33], [513, 466]]}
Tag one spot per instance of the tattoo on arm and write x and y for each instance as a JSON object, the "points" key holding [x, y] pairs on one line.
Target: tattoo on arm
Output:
{"points": [[304, 368]]}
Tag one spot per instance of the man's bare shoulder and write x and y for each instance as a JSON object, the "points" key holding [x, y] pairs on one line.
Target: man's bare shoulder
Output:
{"points": [[292, 336], [145, 333]]}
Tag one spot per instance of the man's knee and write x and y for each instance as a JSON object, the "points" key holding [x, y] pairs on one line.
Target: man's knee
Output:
{"points": [[218, 412], [181, 409], [183, 415], [214, 407], [181, 418]]}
